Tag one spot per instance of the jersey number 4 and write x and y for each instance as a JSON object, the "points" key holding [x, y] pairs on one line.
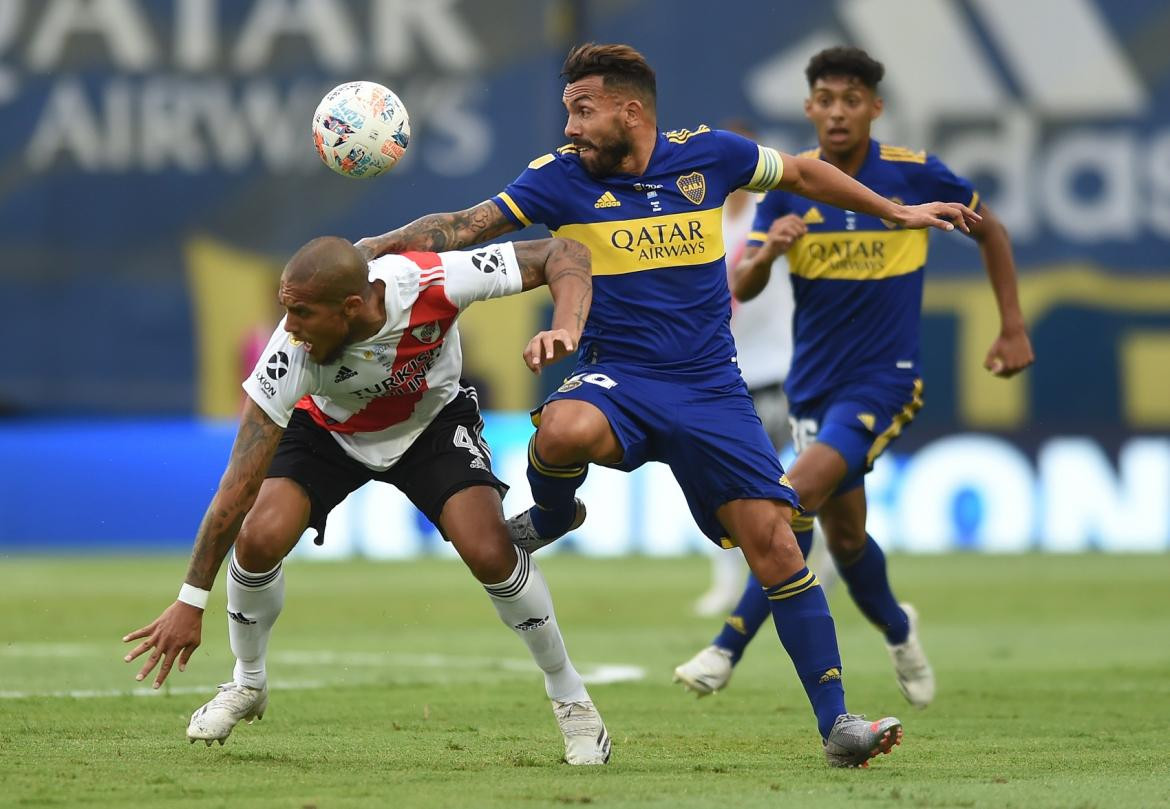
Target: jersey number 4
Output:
{"points": [[474, 445]]}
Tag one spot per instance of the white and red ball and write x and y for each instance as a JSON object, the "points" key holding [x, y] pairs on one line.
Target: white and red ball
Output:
{"points": [[361, 129]]}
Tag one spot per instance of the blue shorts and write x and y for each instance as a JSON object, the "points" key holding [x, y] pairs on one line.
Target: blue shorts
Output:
{"points": [[858, 420], [708, 433]]}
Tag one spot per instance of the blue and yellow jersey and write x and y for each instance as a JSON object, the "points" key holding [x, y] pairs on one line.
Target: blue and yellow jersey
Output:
{"points": [[660, 296], [857, 279]]}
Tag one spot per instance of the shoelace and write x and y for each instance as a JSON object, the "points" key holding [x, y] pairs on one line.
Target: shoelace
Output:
{"points": [[233, 696], [580, 724]]}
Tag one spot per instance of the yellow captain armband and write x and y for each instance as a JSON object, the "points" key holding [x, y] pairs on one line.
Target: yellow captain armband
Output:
{"points": [[769, 170]]}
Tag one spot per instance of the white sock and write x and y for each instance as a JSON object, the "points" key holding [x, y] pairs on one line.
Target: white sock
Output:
{"points": [[820, 561], [523, 603], [254, 602], [728, 571]]}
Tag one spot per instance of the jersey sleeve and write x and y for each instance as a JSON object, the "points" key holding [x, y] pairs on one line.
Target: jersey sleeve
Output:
{"points": [[749, 165], [490, 271], [535, 195], [940, 184], [770, 208], [279, 379]]}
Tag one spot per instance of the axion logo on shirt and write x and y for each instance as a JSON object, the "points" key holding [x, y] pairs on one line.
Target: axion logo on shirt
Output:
{"points": [[277, 365], [488, 260]]}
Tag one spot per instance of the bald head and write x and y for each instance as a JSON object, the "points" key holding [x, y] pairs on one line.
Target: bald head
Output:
{"points": [[330, 268]]}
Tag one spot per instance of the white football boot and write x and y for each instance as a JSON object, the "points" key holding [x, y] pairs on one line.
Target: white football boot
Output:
{"points": [[215, 720], [912, 669], [586, 739], [706, 672]]}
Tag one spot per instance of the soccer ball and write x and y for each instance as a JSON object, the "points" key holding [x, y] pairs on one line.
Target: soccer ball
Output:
{"points": [[360, 129]]}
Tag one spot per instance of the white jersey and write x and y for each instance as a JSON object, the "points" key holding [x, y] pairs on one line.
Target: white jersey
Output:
{"points": [[762, 327], [382, 392]]}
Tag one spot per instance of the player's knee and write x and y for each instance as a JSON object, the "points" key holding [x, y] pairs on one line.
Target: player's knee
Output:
{"points": [[772, 551], [563, 442], [491, 562], [260, 547], [845, 541]]}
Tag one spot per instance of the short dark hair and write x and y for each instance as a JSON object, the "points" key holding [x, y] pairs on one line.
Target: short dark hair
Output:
{"points": [[852, 63], [620, 66]]}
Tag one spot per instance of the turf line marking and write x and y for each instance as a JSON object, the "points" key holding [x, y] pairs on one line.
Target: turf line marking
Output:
{"points": [[434, 664]]}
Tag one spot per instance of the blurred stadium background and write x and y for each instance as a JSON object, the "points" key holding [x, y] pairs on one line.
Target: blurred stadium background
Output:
{"points": [[161, 174]]}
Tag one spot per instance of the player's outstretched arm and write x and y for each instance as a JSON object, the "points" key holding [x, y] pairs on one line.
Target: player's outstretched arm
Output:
{"points": [[176, 634], [817, 179], [1012, 350], [749, 277], [566, 267], [438, 232]]}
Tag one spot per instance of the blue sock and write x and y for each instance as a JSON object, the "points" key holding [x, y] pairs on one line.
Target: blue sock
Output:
{"points": [[806, 629], [870, 588], [802, 526], [745, 620], [553, 488]]}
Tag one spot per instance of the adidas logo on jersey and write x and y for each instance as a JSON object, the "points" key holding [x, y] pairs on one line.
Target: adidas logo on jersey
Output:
{"points": [[343, 374], [240, 618], [607, 200], [813, 216]]}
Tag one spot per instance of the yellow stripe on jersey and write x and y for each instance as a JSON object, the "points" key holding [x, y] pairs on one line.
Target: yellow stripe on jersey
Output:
{"points": [[568, 148], [812, 154], [758, 236], [769, 170], [862, 255], [543, 160], [651, 243], [683, 135], [974, 203], [514, 208], [900, 154], [895, 429]]}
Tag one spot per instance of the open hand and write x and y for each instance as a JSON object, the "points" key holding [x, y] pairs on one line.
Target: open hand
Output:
{"points": [[548, 347], [941, 215], [174, 635]]}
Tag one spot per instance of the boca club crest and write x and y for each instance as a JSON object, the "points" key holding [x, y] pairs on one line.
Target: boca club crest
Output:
{"points": [[693, 186]]}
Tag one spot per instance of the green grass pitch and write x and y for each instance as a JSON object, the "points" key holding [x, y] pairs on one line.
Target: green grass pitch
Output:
{"points": [[395, 685]]}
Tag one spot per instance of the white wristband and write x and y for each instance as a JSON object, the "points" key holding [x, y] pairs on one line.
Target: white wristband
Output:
{"points": [[195, 596]]}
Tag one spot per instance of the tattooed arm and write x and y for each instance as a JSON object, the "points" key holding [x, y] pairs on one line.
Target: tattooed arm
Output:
{"points": [[176, 634], [567, 268], [251, 456], [438, 232]]}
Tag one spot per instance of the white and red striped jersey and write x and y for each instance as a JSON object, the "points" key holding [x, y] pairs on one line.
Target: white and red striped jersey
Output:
{"points": [[384, 391]]}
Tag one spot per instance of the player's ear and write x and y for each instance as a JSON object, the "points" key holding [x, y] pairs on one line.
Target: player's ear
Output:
{"points": [[633, 113], [808, 108], [878, 106], [351, 305]]}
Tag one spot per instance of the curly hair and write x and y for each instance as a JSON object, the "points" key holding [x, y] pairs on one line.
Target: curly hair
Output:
{"points": [[853, 63], [620, 66]]}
